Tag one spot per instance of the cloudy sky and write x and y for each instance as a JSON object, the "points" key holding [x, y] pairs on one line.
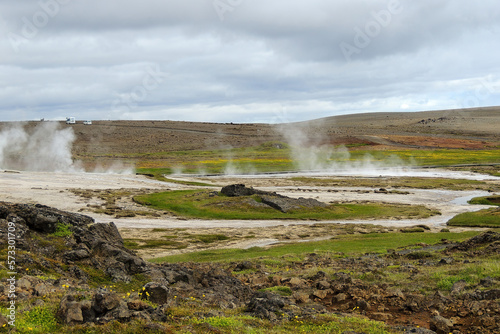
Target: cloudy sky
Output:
{"points": [[245, 60]]}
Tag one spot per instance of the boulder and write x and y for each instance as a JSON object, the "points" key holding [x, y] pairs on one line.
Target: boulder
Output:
{"points": [[265, 305], [156, 293], [105, 301], [441, 325], [71, 311], [43, 218], [236, 190], [458, 287]]}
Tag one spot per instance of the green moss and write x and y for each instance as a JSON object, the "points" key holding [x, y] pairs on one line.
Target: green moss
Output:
{"points": [[62, 230]]}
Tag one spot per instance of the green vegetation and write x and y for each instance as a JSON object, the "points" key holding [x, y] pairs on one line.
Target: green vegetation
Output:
{"points": [[396, 182], [489, 218], [277, 157], [210, 205], [344, 245], [322, 324], [488, 200], [280, 290], [145, 244], [40, 319], [471, 273], [62, 230], [210, 238]]}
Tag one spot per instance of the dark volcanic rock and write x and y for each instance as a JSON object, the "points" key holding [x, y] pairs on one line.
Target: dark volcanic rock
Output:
{"points": [[285, 204], [42, 218], [265, 305], [156, 293], [483, 238], [236, 190], [274, 200]]}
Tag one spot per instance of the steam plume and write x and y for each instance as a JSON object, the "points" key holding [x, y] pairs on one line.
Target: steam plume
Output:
{"points": [[47, 148], [311, 151]]}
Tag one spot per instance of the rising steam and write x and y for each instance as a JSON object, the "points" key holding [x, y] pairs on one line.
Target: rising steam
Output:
{"points": [[311, 152], [46, 148]]}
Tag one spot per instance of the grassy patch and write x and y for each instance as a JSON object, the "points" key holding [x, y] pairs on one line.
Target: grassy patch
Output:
{"points": [[207, 205], [210, 238], [321, 324], [40, 319], [276, 157], [62, 230], [489, 218], [471, 273], [488, 200], [396, 182], [345, 245], [145, 244]]}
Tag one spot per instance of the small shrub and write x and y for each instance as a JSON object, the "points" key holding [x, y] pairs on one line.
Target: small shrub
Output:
{"points": [[62, 230]]}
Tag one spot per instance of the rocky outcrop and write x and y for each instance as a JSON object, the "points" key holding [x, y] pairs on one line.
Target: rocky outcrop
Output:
{"points": [[88, 248], [237, 190], [96, 245], [40, 217], [272, 199]]}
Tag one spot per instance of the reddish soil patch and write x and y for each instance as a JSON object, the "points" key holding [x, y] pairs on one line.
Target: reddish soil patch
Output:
{"points": [[440, 142]]}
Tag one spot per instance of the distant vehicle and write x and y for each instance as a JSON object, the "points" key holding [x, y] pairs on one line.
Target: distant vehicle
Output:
{"points": [[70, 120], [87, 122]]}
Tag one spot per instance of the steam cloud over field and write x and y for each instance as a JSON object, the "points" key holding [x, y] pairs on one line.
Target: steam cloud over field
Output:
{"points": [[46, 148]]}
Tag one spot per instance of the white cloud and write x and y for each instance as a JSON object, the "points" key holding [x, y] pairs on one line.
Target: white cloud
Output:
{"points": [[262, 56]]}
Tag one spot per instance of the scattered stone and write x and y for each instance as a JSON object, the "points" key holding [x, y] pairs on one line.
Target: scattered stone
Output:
{"points": [[301, 297], [340, 297], [323, 285], [245, 265], [441, 325], [458, 287], [487, 282], [297, 283], [379, 316], [446, 260], [321, 294]]}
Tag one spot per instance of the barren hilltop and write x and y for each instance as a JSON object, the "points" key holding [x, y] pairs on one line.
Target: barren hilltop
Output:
{"points": [[471, 128]]}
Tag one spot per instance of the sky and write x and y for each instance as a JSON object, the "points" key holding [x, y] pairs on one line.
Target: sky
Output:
{"points": [[245, 61]]}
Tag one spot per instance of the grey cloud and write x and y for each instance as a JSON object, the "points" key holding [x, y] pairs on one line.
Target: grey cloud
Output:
{"points": [[262, 57]]}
